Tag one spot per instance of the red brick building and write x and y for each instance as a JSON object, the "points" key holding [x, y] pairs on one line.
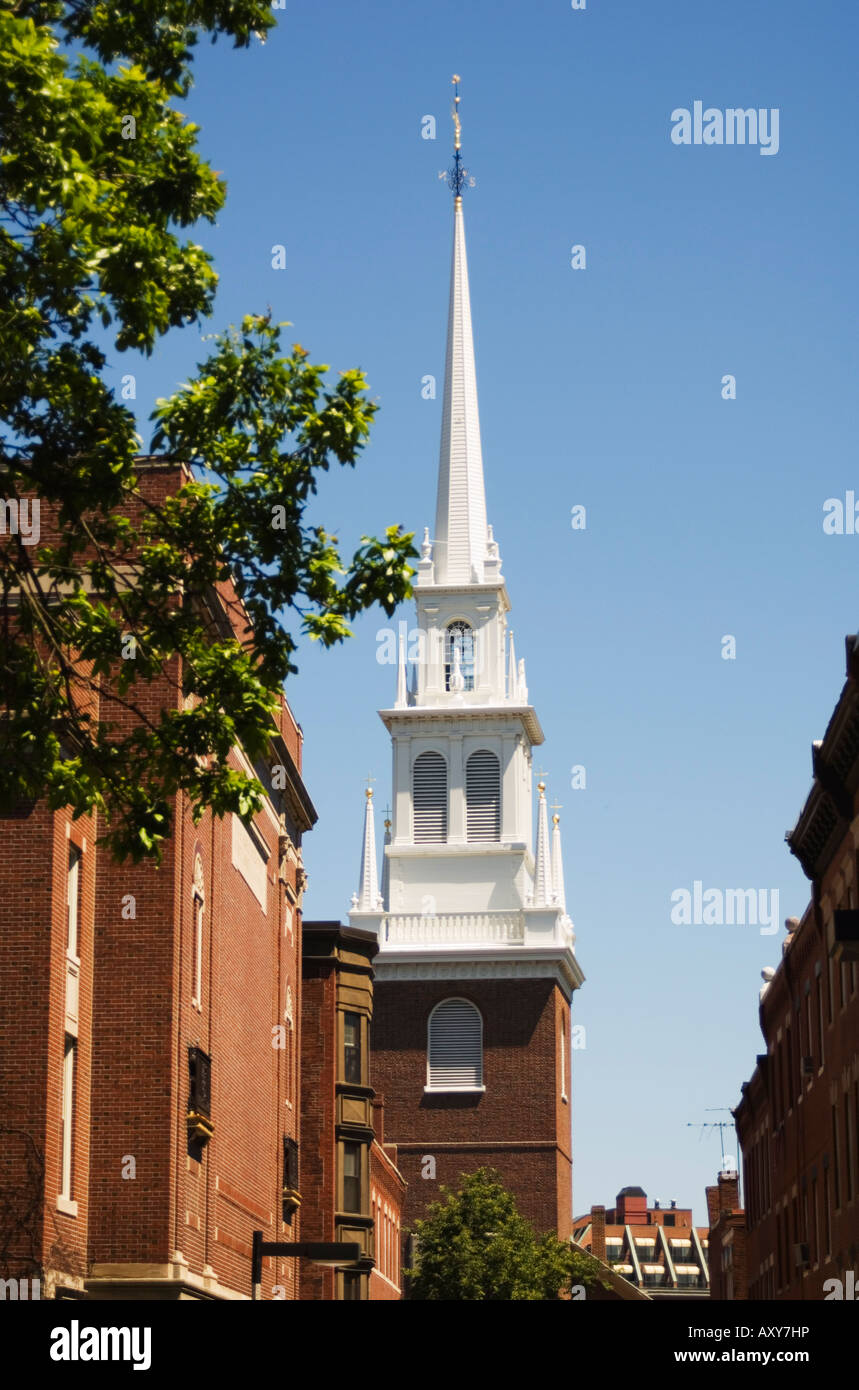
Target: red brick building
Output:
{"points": [[387, 1198], [656, 1249], [727, 1240], [351, 1187], [798, 1120], [149, 1041]]}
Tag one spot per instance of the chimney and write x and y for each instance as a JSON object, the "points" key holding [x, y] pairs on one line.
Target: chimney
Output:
{"points": [[379, 1120], [712, 1206], [598, 1232], [729, 1192], [631, 1207]]}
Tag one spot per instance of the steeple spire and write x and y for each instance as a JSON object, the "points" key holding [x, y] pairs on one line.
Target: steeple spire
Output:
{"points": [[460, 530]]}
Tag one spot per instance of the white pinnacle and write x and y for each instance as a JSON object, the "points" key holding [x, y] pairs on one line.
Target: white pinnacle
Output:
{"points": [[368, 888], [542, 864], [558, 892]]}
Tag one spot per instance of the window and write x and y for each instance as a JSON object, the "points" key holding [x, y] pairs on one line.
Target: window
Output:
{"points": [[563, 1059], [68, 1118], [455, 1050], [849, 1150], [352, 1177], [459, 652], [809, 1030], [72, 901], [827, 1216], [197, 961], [681, 1250], [821, 1054], [613, 1247], [351, 1288], [430, 799], [198, 953], [483, 796], [836, 1159], [352, 1048]]}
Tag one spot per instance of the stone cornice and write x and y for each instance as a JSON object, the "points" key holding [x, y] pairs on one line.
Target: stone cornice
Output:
{"points": [[547, 963], [421, 715]]}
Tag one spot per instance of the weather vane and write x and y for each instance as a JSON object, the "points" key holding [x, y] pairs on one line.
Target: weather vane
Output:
{"points": [[458, 177]]}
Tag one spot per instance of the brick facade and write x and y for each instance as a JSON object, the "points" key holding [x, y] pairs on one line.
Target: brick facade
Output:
{"points": [[154, 1210], [727, 1241], [798, 1120], [342, 1119], [519, 1125]]}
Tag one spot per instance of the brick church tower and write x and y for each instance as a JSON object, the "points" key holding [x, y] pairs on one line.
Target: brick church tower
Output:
{"points": [[476, 966]]}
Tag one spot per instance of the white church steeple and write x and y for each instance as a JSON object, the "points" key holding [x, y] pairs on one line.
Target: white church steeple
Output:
{"points": [[462, 881]]}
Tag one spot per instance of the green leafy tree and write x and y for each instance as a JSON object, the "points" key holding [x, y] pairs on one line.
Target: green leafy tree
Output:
{"points": [[99, 178], [475, 1244]]}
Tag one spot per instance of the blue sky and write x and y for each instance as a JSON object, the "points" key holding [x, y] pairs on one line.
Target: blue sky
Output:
{"points": [[599, 387]]}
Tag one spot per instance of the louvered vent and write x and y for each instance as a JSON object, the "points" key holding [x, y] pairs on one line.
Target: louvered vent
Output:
{"points": [[455, 1046], [483, 796], [430, 799]]}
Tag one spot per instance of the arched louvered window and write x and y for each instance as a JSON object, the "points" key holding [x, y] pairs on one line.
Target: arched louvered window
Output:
{"points": [[483, 796], [455, 1047], [429, 797], [459, 638]]}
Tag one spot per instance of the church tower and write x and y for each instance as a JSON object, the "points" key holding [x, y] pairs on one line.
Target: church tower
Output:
{"points": [[476, 965]]}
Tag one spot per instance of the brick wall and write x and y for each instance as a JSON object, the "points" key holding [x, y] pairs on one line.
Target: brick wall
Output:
{"points": [[518, 1125]]}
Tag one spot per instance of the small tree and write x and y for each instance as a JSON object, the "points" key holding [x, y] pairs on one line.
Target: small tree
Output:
{"points": [[100, 178], [475, 1244]]}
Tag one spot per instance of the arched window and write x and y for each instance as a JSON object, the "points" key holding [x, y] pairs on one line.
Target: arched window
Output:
{"points": [[483, 796], [455, 1047], [459, 638], [430, 799]]}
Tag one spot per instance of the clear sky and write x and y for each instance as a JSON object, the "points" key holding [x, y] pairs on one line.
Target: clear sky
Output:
{"points": [[601, 387]]}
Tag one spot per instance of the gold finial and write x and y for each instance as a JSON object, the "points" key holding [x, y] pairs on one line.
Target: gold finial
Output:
{"points": [[541, 787], [457, 140]]}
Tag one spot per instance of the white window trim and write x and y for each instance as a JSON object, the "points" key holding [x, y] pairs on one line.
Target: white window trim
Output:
{"points": [[197, 996], [460, 1090], [73, 905], [65, 1202], [449, 1087]]}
